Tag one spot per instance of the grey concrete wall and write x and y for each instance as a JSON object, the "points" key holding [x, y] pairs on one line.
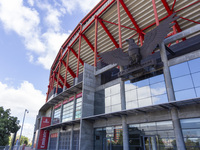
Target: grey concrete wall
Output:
{"points": [[86, 127], [86, 135], [99, 103]]}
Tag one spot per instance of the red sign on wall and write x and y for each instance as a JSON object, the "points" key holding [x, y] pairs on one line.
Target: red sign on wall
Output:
{"points": [[79, 95], [43, 139], [44, 134], [46, 121]]}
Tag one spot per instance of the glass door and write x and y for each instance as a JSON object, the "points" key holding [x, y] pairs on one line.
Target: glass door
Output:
{"points": [[149, 143], [107, 143]]}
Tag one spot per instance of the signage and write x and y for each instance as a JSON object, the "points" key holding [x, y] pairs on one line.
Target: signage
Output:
{"points": [[71, 98], [57, 106], [79, 95], [44, 134], [54, 135], [46, 121], [43, 139]]}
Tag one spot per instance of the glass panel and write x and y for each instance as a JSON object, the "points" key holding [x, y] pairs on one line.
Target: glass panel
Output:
{"points": [[185, 94], [192, 143], [196, 79], [158, 88], [197, 91], [116, 108], [107, 92], [156, 79], [130, 86], [145, 102], [107, 109], [142, 83], [131, 95], [107, 101], [115, 99], [194, 65], [166, 133], [148, 126], [115, 89], [143, 92], [179, 70], [191, 132], [190, 123], [160, 99], [182, 83], [164, 125]]}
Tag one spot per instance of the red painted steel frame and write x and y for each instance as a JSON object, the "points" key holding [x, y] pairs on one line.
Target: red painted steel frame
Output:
{"points": [[88, 42], [75, 54], [133, 21], [119, 24], [95, 46], [155, 12], [65, 81], [108, 33], [79, 50], [69, 69]]}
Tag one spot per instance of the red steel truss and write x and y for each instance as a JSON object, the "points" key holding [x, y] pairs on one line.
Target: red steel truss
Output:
{"points": [[55, 73]]}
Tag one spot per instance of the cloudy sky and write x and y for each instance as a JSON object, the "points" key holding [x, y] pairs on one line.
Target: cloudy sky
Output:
{"points": [[31, 33]]}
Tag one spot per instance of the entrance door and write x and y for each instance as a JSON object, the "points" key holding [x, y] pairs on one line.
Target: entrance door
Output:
{"points": [[107, 143], [149, 142]]}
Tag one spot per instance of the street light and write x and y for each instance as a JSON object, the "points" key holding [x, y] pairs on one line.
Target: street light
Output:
{"points": [[22, 127]]}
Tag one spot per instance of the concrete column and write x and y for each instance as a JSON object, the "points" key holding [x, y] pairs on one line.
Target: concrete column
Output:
{"points": [[64, 88], [76, 80], [123, 107], [171, 97], [71, 137]]}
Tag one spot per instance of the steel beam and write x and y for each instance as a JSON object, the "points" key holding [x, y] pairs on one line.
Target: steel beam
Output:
{"points": [[95, 42], [69, 69], [108, 33], [79, 50], [75, 54]]}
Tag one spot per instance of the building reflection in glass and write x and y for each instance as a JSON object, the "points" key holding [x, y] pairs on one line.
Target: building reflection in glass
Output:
{"points": [[145, 92], [185, 79], [152, 136], [109, 138]]}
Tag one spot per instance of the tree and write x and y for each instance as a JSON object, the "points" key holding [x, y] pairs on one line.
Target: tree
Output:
{"points": [[23, 140], [8, 125]]}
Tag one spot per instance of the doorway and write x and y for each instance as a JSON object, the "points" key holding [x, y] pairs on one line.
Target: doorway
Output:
{"points": [[149, 142]]}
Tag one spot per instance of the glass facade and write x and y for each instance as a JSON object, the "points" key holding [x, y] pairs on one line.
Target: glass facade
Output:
{"points": [[64, 141], [185, 78], [78, 108], [53, 141], [146, 92], [152, 136], [112, 99], [191, 133], [56, 116], [67, 111], [109, 138], [76, 140]]}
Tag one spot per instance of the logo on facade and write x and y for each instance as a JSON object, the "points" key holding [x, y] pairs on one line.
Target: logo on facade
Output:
{"points": [[46, 121], [44, 139], [136, 57]]}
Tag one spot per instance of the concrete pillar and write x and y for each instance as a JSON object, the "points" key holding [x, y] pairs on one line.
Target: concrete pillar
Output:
{"points": [[76, 80], [123, 107], [71, 137], [171, 97]]}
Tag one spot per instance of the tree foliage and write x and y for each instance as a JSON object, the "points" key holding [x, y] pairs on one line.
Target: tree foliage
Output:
{"points": [[23, 140], [8, 125]]}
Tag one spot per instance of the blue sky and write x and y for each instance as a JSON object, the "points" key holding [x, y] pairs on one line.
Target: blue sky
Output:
{"points": [[31, 33]]}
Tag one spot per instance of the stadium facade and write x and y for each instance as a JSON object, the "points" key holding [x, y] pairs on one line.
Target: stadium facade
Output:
{"points": [[89, 107]]}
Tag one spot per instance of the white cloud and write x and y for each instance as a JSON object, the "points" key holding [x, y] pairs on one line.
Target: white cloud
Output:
{"points": [[84, 5], [40, 31], [21, 98]]}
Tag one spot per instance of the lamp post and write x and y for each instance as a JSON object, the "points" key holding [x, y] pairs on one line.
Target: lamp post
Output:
{"points": [[22, 127]]}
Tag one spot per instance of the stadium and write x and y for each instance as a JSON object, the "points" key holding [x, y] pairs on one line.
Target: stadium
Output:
{"points": [[154, 105]]}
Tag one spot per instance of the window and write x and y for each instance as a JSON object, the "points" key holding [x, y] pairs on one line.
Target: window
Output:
{"points": [[146, 92], [78, 108], [56, 116], [191, 132], [109, 138], [112, 99], [68, 111], [64, 141], [53, 141], [185, 79], [161, 135]]}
